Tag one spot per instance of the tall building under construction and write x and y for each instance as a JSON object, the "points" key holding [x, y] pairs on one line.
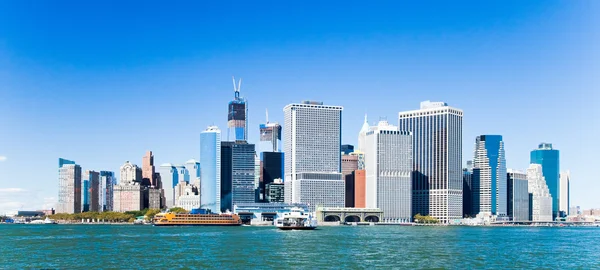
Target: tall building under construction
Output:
{"points": [[237, 118]]}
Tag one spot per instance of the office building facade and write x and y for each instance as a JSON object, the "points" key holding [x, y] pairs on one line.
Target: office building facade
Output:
{"points": [[518, 196], [129, 194], [69, 187], [468, 208], [148, 170], [237, 174], [565, 200], [107, 182], [549, 158], [312, 140], [170, 178], [491, 181], [539, 194], [210, 169], [388, 154], [437, 159], [193, 169], [93, 190], [272, 168], [275, 191]]}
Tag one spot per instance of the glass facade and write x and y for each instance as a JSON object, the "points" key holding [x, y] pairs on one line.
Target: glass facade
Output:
{"points": [[518, 196], [226, 175], [272, 168], [210, 169], [491, 180], [549, 158], [107, 180]]}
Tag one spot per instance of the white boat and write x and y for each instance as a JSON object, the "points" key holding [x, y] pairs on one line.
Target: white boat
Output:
{"points": [[296, 219], [49, 221]]}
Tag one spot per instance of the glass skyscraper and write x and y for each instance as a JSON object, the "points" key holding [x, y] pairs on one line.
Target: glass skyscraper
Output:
{"points": [[69, 187], [437, 159], [549, 158], [210, 169], [169, 178], [107, 180], [490, 182], [518, 196]]}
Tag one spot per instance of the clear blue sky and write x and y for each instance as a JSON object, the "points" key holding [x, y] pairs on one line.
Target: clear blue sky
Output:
{"points": [[100, 82]]}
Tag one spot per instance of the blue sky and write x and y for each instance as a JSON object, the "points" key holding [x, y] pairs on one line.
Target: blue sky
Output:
{"points": [[101, 82]]}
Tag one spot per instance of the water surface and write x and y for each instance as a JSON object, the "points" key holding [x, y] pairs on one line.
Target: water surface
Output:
{"points": [[385, 247]]}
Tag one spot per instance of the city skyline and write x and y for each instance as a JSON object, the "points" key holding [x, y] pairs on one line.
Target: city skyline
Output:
{"points": [[496, 73]]}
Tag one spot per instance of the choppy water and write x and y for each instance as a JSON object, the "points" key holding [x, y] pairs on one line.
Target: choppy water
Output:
{"points": [[385, 247]]}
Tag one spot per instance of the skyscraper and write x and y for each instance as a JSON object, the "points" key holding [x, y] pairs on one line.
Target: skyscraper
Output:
{"points": [[237, 119], [148, 170], [85, 195], [107, 180], [362, 135], [210, 169], [270, 137], [549, 158], [237, 174], [491, 180], [170, 178], [518, 196], [243, 171], [539, 194], [193, 168], [388, 157], [69, 187], [312, 139], [565, 179], [468, 190], [226, 175], [272, 168], [94, 190], [349, 166], [437, 159]]}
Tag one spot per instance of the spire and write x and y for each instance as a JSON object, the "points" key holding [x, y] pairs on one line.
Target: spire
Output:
{"points": [[365, 127]]}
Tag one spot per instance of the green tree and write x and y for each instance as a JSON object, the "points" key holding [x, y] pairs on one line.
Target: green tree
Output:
{"points": [[178, 210], [151, 213]]}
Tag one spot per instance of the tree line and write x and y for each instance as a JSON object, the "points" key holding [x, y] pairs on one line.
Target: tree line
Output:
{"points": [[128, 216]]}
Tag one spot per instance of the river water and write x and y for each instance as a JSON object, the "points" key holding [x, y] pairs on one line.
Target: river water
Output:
{"points": [[358, 247]]}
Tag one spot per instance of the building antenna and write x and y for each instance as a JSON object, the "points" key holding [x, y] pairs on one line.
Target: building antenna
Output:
{"points": [[267, 113], [236, 88]]}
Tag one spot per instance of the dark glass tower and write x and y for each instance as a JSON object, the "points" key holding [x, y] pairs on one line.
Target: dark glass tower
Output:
{"points": [[272, 168], [549, 158]]}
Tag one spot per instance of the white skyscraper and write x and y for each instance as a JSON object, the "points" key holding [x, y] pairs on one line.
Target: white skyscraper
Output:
{"points": [[388, 159], [565, 179], [362, 136], [489, 176], [437, 159], [312, 140], [541, 198], [69, 187]]}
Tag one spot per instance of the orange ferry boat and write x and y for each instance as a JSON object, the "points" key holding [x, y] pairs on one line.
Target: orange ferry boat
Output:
{"points": [[173, 219]]}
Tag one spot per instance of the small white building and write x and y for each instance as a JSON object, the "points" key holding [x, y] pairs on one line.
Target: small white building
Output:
{"points": [[190, 198]]}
